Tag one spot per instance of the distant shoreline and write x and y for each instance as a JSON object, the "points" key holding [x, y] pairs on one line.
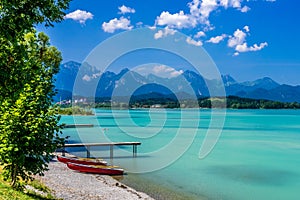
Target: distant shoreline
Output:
{"points": [[230, 102]]}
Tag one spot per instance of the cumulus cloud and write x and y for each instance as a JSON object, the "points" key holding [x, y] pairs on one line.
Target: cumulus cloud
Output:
{"points": [[124, 9], [200, 34], [231, 3], [237, 4], [245, 48], [238, 42], [79, 15], [246, 28], [201, 10], [139, 24], [117, 24], [199, 13], [217, 39], [177, 20], [236, 54], [245, 9], [165, 32], [165, 71], [189, 40], [158, 70], [238, 38]]}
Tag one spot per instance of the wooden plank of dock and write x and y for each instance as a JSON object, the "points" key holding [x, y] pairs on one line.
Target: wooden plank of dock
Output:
{"points": [[111, 145], [78, 125]]}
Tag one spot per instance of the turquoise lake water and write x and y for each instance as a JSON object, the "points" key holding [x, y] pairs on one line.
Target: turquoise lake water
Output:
{"points": [[257, 155]]}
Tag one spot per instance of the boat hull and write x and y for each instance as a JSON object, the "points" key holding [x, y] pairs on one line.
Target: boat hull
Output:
{"points": [[107, 170], [81, 161]]}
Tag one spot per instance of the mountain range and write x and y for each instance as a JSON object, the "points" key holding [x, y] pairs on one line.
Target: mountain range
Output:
{"points": [[188, 84]]}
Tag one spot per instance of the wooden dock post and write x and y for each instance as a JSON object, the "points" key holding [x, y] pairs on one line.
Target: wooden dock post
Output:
{"points": [[88, 152], [111, 151], [134, 150]]}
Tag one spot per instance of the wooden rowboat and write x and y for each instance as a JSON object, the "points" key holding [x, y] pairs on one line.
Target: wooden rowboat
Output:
{"points": [[107, 170], [84, 161]]}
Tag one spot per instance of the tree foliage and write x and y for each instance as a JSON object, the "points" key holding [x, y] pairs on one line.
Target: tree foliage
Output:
{"points": [[29, 130], [19, 16], [246, 103], [28, 122]]}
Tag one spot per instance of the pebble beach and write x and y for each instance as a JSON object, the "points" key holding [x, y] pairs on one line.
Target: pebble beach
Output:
{"points": [[68, 184]]}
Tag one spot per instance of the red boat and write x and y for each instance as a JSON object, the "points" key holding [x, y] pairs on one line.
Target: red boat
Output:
{"points": [[84, 161], [107, 170]]}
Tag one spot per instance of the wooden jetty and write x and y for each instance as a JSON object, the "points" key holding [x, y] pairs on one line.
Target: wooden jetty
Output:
{"points": [[78, 125], [111, 145]]}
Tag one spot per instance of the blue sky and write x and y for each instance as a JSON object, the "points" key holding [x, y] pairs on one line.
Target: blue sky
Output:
{"points": [[247, 39]]}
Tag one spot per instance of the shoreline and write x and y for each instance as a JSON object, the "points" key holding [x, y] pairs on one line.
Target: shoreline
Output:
{"points": [[67, 184], [158, 191]]}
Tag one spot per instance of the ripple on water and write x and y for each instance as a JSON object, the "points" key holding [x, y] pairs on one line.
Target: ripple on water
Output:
{"points": [[253, 174]]}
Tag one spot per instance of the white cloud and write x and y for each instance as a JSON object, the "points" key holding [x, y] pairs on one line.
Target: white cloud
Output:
{"points": [[231, 3], [246, 28], [139, 24], [245, 9], [194, 7], [238, 42], [200, 34], [177, 20], [207, 6], [200, 10], [158, 34], [189, 40], [79, 15], [236, 54], [238, 38], [165, 71], [271, 0], [151, 27], [217, 39], [158, 70], [117, 24], [165, 32], [124, 9], [199, 13], [244, 47]]}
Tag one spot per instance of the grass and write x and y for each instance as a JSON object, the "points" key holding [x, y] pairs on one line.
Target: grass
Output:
{"points": [[8, 193]]}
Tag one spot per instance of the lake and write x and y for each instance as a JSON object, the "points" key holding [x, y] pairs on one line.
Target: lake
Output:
{"points": [[257, 155]]}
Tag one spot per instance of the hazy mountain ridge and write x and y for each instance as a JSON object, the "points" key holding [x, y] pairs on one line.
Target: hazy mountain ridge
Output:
{"points": [[190, 83]]}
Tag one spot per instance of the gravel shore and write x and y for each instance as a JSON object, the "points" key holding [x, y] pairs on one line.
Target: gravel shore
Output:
{"points": [[68, 184]]}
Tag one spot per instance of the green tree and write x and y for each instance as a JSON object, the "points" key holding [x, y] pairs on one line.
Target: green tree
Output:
{"points": [[20, 16], [28, 124], [29, 130], [17, 18]]}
